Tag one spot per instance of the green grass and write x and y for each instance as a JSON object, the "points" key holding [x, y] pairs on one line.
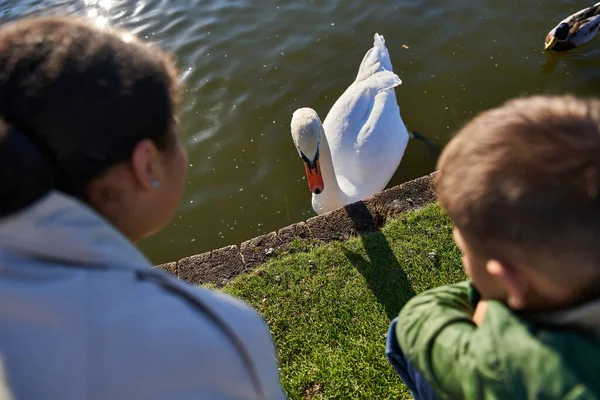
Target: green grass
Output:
{"points": [[329, 306]]}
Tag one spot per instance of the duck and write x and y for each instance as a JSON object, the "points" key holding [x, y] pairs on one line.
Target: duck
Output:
{"points": [[574, 30], [355, 151]]}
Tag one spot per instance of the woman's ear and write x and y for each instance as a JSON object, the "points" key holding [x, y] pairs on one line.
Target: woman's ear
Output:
{"points": [[512, 280], [145, 161]]}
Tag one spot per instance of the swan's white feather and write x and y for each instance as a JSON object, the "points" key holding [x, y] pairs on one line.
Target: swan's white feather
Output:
{"points": [[365, 132]]}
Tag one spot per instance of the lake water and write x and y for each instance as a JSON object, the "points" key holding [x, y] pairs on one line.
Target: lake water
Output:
{"points": [[247, 65]]}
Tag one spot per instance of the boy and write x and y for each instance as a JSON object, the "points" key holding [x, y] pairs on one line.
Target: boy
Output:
{"points": [[522, 186]]}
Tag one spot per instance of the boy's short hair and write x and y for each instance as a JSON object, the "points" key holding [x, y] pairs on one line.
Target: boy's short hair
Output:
{"points": [[523, 182]]}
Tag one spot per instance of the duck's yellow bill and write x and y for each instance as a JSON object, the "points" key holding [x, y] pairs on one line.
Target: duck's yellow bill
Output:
{"points": [[551, 43]]}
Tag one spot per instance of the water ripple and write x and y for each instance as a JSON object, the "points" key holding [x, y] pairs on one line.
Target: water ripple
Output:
{"points": [[247, 65]]}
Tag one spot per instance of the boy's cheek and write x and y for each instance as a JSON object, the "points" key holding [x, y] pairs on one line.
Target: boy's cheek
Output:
{"points": [[489, 289], [475, 268], [487, 286]]}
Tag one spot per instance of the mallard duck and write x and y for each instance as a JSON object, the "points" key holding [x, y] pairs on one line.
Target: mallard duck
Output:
{"points": [[574, 30]]}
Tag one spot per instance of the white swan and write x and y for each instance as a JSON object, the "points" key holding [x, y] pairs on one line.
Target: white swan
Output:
{"points": [[355, 152]]}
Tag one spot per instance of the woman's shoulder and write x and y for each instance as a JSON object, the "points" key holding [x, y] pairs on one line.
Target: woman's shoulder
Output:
{"points": [[194, 331]]}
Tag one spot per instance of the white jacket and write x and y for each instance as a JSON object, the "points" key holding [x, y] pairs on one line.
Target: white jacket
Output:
{"points": [[83, 315]]}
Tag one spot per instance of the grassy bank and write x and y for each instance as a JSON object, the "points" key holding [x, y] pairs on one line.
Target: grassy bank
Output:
{"points": [[329, 306]]}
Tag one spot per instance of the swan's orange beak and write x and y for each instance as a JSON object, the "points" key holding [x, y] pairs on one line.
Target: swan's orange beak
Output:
{"points": [[315, 179]]}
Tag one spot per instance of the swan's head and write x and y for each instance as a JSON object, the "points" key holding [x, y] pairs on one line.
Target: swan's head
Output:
{"points": [[306, 132]]}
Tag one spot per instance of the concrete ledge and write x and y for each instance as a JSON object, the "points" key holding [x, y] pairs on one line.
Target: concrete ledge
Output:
{"points": [[221, 265], [216, 267], [258, 250], [170, 267]]}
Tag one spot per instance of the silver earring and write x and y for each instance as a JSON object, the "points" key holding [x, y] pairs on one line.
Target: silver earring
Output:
{"points": [[155, 183]]}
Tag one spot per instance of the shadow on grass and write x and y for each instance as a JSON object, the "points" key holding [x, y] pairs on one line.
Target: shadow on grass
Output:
{"points": [[382, 271]]}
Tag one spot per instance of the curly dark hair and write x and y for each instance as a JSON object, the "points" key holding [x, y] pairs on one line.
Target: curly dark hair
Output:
{"points": [[80, 95]]}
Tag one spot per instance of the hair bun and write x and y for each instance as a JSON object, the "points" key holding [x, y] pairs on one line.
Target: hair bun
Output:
{"points": [[25, 176]]}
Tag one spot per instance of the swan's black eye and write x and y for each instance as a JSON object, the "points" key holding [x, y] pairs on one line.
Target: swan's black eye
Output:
{"points": [[304, 158], [311, 164]]}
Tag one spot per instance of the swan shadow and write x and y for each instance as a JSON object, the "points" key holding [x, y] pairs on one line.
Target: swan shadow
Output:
{"points": [[382, 271]]}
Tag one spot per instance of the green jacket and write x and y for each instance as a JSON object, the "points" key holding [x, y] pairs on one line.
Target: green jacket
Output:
{"points": [[508, 356]]}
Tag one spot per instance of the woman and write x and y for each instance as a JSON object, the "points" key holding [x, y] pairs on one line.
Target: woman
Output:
{"points": [[90, 161]]}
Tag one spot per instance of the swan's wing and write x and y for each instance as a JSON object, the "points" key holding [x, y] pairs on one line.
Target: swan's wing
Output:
{"points": [[379, 93], [351, 111], [377, 59], [365, 132], [380, 144]]}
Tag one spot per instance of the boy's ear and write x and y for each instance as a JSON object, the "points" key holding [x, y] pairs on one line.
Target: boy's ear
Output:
{"points": [[512, 280]]}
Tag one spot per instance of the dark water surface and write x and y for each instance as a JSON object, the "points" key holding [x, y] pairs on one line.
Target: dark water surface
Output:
{"points": [[247, 65]]}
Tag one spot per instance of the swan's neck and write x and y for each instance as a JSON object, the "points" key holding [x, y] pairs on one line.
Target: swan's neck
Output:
{"points": [[332, 196]]}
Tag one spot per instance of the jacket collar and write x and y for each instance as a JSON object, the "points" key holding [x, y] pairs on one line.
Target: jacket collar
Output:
{"points": [[62, 229], [585, 317]]}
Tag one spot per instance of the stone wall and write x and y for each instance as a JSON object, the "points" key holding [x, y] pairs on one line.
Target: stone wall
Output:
{"points": [[221, 265]]}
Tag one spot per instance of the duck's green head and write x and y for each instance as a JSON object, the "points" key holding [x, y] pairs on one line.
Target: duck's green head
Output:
{"points": [[558, 34]]}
